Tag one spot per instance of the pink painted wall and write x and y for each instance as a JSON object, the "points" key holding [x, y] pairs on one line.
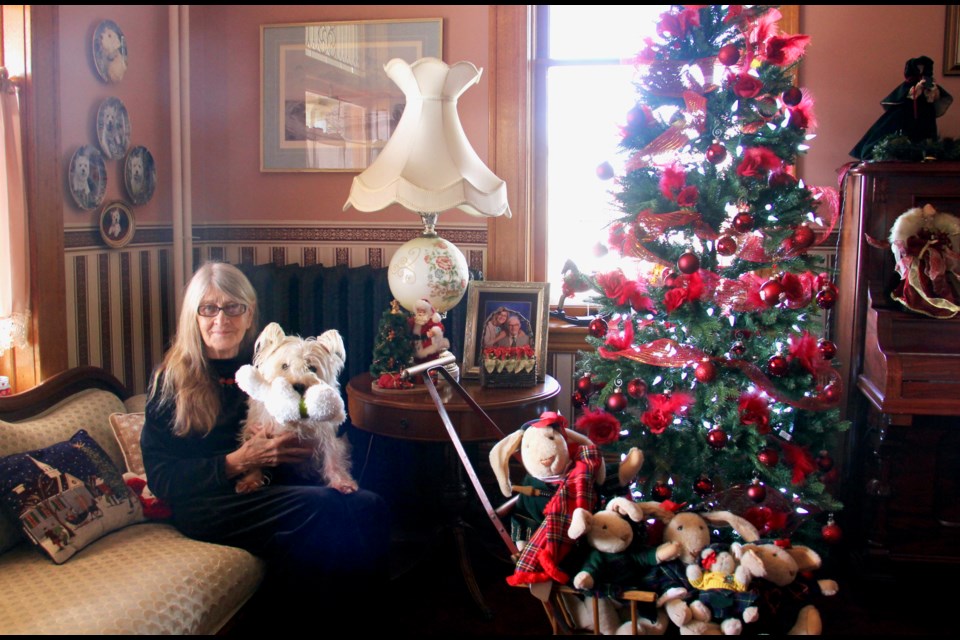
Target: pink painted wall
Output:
{"points": [[225, 97], [855, 58], [144, 91]]}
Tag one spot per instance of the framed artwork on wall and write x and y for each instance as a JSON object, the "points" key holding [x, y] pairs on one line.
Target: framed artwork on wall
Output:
{"points": [[951, 41], [116, 224], [326, 103], [505, 314]]}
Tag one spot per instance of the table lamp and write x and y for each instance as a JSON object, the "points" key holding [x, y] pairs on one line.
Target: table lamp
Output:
{"points": [[428, 166]]}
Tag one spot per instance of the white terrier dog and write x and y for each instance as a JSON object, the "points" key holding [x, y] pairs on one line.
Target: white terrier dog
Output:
{"points": [[293, 386]]}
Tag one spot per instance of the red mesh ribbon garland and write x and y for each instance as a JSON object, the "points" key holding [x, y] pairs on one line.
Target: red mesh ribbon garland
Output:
{"points": [[666, 352], [752, 248]]}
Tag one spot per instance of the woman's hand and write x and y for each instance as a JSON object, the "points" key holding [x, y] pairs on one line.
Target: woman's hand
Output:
{"points": [[264, 450]]}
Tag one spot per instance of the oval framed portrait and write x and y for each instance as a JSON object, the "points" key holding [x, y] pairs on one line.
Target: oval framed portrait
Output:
{"points": [[116, 224], [87, 177], [109, 51], [140, 175], [113, 128]]}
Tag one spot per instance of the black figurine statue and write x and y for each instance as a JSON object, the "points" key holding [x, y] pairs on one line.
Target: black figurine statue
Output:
{"points": [[910, 110]]}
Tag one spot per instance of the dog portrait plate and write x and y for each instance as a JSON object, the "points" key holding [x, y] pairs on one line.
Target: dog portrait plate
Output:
{"points": [[113, 128], [87, 177], [140, 175], [109, 51]]}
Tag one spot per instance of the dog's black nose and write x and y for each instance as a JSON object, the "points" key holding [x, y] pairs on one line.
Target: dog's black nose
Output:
{"points": [[300, 388]]}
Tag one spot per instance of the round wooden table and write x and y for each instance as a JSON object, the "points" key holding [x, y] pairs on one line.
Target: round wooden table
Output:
{"points": [[413, 416]]}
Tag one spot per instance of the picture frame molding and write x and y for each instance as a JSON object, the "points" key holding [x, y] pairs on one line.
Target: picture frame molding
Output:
{"points": [[951, 41], [104, 225], [539, 296], [349, 93]]}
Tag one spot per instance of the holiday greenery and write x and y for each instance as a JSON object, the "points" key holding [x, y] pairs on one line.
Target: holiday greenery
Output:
{"points": [[392, 349], [706, 353]]}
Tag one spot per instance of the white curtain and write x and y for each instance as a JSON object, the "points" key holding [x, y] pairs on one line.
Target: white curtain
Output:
{"points": [[14, 253]]}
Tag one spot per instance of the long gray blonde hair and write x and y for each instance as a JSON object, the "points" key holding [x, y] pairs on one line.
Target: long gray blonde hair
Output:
{"points": [[183, 378]]}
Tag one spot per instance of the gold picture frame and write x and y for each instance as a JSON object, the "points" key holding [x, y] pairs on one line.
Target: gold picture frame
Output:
{"points": [[117, 225], [951, 41], [326, 103], [527, 302]]}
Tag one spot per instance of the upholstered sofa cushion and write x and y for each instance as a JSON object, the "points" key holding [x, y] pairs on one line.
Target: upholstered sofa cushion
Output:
{"points": [[89, 410], [66, 495], [127, 427], [144, 579]]}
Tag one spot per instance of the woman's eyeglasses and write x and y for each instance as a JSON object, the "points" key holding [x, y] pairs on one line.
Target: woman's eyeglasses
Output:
{"points": [[232, 309]]}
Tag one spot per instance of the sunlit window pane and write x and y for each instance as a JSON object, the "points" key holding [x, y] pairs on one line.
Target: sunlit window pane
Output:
{"points": [[586, 104]]}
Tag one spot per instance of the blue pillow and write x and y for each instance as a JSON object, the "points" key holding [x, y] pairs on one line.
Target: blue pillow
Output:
{"points": [[66, 496]]}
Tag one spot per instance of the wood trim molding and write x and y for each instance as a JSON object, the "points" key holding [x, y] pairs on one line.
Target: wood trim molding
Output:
{"points": [[511, 240]]}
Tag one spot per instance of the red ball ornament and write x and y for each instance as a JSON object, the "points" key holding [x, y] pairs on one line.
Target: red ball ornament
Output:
{"points": [[636, 117], [726, 246], [670, 278], [738, 349], [717, 438], [777, 366], [703, 486], [604, 171], [585, 385], [637, 388], [831, 532], [616, 401], [661, 491], [688, 263], [757, 492], [781, 179], [827, 297], [803, 237], [767, 107], [598, 327], [792, 96], [770, 292], [578, 399], [743, 222], [728, 55], [716, 153], [827, 349], [824, 461], [705, 371], [768, 457], [831, 392]]}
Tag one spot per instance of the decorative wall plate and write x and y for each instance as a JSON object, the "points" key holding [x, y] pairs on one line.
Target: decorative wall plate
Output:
{"points": [[116, 224], [87, 177], [110, 51], [140, 175], [113, 128]]}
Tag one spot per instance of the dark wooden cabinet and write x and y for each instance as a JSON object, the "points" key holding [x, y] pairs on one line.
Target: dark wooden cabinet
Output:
{"points": [[901, 378]]}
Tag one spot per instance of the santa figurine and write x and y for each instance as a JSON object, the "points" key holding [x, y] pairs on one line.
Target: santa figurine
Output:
{"points": [[427, 332]]}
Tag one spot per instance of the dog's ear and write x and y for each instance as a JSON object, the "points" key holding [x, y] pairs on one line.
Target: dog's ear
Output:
{"points": [[271, 335], [332, 343]]}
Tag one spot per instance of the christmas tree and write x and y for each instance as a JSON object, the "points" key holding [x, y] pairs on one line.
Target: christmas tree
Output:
{"points": [[707, 351], [392, 349]]}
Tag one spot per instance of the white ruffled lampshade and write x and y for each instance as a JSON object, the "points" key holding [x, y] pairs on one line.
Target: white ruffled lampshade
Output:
{"points": [[428, 165]]}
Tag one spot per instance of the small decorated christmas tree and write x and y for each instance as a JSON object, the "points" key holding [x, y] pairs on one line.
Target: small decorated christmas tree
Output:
{"points": [[393, 349], [707, 351]]}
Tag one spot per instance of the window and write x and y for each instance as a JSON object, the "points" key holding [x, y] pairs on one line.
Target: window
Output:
{"points": [[584, 88]]}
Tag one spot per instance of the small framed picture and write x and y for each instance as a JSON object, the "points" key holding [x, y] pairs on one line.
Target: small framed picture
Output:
{"points": [[505, 314], [109, 51], [116, 224]]}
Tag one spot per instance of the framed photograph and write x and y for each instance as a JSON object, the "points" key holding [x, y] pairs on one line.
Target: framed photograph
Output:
{"points": [[505, 314], [326, 103], [951, 41], [116, 224]]}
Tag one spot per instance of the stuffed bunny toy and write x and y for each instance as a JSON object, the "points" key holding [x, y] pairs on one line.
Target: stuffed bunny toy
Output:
{"points": [[614, 560], [692, 531], [784, 594], [546, 454]]}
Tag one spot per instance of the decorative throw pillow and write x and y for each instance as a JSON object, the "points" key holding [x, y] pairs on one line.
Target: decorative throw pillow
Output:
{"points": [[126, 428], [66, 496]]}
